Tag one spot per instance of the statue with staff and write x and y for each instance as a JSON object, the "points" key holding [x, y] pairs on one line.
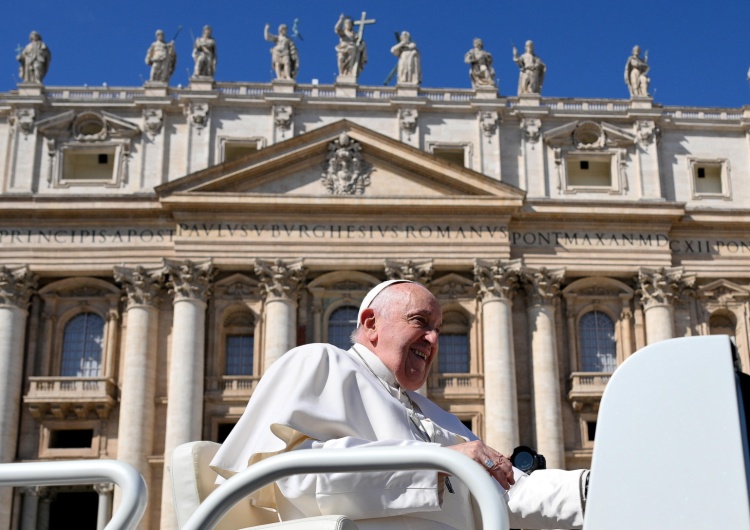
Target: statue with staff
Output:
{"points": [[162, 58], [351, 50]]}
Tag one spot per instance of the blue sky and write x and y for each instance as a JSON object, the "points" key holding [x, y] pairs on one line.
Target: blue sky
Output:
{"points": [[699, 51]]}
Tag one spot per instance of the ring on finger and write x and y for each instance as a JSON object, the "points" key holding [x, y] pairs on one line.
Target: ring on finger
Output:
{"points": [[489, 464]]}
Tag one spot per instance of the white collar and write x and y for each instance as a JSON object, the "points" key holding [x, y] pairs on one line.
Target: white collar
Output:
{"points": [[376, 365]]}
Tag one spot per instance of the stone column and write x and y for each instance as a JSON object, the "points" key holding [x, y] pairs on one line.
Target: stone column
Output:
{"points": [[104, 510], [658, 290], [542, 287], [136, 425], [44, 508], [30, 507], [280, 283], [16, 287], [497, 283], [190, 284]]}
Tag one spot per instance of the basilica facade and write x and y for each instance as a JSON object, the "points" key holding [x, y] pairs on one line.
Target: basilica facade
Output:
{"points": [[161, 247]]}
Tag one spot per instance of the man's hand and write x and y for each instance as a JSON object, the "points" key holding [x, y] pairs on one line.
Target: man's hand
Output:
{"points": [[495, 463]]}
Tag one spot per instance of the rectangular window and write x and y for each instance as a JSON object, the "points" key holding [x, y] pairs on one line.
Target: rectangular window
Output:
{"points": [[71, 438], [233, 151], [89, 165], [709, 178], [589, 173], [239, 355], [453, 356], [454, 154]]}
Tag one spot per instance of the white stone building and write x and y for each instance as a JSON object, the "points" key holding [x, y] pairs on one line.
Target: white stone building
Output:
{"points": [[161, 247]]}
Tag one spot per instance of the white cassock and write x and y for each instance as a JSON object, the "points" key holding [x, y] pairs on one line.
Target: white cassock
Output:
{"points": [[319, 396]]}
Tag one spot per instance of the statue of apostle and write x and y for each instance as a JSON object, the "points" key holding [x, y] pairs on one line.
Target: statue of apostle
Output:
{"points": [[34, 59], [409, 62], [350, 51], [531, 78], [284, 56], [635, 73], [481, 71], [162, 58], [204, 54]]}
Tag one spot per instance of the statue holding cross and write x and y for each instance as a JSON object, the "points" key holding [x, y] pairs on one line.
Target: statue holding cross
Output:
{"points": [[351, 50]]}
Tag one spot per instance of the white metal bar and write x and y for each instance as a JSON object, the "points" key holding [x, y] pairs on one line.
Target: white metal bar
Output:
{"points": [[476, 478], [57, 473]]}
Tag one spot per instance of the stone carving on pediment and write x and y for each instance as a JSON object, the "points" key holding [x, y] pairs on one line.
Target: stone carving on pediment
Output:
{"points": [[663, 286], [588, 135], [197, 113], [282, 117], [453, 286], [280, 279], [24, 119], [87, 126], [244, 319], [723, 293], [240, 289], [497, 279], [532, 129], [346, 172], [416, 271], [407, 120], [153, 120], [85, 291], [141, 286], [189, 280], [489, 122], [347, 286], [542, 285], [17, 286], [598, 290], [647, 132]]}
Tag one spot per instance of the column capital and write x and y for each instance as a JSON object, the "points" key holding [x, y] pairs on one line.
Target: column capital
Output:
{"points": [[188, 279], [280, 280], [542, 285], [142, 286], [17, 285], [662, 286], [415, 271], [497, 279]]}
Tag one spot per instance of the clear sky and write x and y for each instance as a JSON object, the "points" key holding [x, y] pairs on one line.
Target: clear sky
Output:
{"points": [[699, 51]]}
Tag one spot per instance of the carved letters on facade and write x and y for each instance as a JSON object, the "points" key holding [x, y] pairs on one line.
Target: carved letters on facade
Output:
{"points": [[346, 173]]}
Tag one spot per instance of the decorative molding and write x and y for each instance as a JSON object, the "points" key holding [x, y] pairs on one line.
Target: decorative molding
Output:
{"points": [[542, 285], [24, 119], [416, 271], [407, 120], [197, 113], [17, 286], [141, 286], [489, 122], [663, 286], [153, 120], [532, 129], [497, 279], [283, 116], [188, 280], [280, 279]]}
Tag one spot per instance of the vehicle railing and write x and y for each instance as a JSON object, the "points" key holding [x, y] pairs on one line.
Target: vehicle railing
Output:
{"points": [[68, 472], [475, 477]]}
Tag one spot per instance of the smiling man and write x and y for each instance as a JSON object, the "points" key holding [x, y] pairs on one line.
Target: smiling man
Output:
{"points": [[319, 397]]}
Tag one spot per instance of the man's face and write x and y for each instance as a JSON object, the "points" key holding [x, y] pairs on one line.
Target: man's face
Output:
{"points": [[406, 337]]}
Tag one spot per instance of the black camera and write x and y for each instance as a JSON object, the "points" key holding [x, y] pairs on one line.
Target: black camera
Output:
{"points": [[527, 460]]}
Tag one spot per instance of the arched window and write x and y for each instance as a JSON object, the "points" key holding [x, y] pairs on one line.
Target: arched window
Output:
{"points": [[721, 324], [598, 344], [239, 343], [341, 323], [83, 339], [453, 352]]}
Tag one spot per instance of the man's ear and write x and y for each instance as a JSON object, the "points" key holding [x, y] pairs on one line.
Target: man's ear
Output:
{"points": [[368, 323]]}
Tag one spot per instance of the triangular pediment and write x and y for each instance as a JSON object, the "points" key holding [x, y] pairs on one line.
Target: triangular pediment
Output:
{"points": [[341, 162]]}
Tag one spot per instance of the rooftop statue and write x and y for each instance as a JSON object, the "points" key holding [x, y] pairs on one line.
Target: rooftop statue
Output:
{"points": [[409, 62], [480, 71], [34, 59], [351, 51], [635, 73], [204, 54], [284, 56], [162, 58], [531, 78]]}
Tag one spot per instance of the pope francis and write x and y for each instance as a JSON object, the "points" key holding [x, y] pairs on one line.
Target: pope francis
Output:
{"points": [[319, 396]]}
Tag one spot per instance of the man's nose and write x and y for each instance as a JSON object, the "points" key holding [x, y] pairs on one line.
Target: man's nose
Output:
{"points": [[432, 336]]}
